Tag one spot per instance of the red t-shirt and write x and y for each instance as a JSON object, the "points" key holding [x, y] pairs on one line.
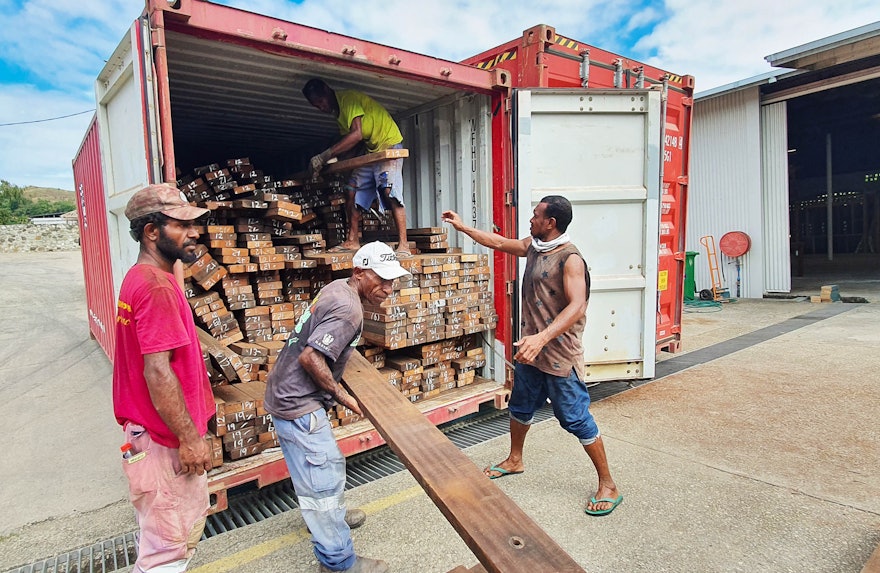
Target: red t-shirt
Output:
{"points": [[152, 315]]}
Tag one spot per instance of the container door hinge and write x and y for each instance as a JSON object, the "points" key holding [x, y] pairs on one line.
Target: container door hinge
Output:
{"points": [[682, 180], [687, 101], [508, 198], [678, 256], [510, 286]]}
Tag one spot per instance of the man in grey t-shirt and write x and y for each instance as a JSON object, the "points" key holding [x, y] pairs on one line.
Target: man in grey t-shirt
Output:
{"points": [[304, 383]]}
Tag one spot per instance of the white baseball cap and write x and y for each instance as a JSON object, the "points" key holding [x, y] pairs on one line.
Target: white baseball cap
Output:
{"points": [[381, 259]]}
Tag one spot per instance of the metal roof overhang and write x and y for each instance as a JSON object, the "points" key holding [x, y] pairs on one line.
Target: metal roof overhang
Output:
{"points": [[841, 48]]}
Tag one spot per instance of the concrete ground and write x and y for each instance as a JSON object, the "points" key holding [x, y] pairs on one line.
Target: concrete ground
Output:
{"points": [[761, 460]]}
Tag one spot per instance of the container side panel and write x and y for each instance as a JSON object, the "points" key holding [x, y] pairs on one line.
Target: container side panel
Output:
{"points": [[774, 166], [542, 58], [726, 188], [91, 209], [602, 152], [126, 160], [448, 168], [125, 144]]}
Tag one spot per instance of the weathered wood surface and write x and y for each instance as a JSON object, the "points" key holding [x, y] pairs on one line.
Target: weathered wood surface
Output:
{"points": [[873, 564], [355, 162], [501, 535]]}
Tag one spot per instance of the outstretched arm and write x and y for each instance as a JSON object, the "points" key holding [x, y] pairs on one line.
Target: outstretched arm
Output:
{"points": [[517, 247]]}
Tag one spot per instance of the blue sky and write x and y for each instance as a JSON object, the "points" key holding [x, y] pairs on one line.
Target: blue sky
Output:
{"points": [[52, 50]]}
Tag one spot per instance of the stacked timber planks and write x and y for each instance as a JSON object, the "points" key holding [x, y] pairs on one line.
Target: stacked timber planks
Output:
{"points": [[264, 256], [241, 422], [447, 296]]}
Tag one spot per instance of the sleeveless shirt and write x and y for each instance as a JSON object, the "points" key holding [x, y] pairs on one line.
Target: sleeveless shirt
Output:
{"points": [[543, 296]]}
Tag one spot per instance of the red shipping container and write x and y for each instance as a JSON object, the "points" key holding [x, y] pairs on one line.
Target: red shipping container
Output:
{"points": [[91, 213], [543, 59]]}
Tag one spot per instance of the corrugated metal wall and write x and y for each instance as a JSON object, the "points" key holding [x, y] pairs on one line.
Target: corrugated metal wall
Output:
{"points": [[725, 190], [774, 153], [448, 164], [91, 209]]}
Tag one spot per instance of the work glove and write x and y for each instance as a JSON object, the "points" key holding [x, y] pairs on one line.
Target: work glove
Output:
{"points": [[317, 162]]}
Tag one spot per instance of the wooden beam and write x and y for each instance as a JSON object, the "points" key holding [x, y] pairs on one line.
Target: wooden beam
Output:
{"points": [[501, 535], [355, 162], [873, 564]]}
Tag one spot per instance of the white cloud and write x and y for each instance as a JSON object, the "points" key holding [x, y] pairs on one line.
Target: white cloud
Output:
{"points": [[644, 17], [722, 42], [63, 42], [63, 46], [449, 30]]}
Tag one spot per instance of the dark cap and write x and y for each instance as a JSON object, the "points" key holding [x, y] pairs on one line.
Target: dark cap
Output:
{"points": [[162, 198]]}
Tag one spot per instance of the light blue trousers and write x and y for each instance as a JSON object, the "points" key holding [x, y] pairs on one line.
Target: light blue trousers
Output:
{"points": [[317, 470]]}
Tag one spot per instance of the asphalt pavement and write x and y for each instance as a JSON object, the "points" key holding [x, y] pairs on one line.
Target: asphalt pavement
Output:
{"points": [[760, 459]]}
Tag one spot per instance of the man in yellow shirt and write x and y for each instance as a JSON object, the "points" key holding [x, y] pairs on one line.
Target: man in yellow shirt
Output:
{"points": [[362, 119]]}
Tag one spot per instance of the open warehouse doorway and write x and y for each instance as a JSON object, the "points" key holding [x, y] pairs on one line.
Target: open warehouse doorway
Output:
{"points": [[766, 151], [834, 181]]}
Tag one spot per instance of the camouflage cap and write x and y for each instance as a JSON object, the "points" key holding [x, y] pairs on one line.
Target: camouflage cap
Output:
{"points": [[162, 198]]}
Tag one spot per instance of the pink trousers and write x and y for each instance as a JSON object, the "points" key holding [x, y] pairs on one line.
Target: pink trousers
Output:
{"points": [[171, 506]]}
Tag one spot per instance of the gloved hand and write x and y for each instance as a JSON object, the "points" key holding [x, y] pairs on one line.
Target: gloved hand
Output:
{"points": [[317, 162]]}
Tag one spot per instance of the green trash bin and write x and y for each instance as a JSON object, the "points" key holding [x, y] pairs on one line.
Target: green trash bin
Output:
{"points": [[689, 284]]}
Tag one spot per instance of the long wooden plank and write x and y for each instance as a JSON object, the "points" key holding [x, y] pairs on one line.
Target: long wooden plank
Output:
{"points": [[361, 160], [355, 162], [509, 542], [873, 564]]}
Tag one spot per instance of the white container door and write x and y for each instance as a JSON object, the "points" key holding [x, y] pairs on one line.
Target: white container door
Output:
{"points": [[129, 137], [601, 150]]}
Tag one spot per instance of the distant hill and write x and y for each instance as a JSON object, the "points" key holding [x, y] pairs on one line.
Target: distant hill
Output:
{"points": [[49, 194]]}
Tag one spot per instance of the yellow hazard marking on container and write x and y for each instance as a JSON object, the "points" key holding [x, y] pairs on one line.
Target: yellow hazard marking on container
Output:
{"points": [[563, 41], [663, 280], [240, 558], [673, 78], [503, 57]]}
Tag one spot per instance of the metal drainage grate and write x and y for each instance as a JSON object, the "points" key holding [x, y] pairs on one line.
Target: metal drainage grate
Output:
{"points": [[248, 505], [102, 557]]}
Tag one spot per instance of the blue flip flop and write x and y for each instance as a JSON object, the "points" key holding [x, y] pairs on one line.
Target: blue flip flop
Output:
{"points": [[598, 512], [502, 471]]}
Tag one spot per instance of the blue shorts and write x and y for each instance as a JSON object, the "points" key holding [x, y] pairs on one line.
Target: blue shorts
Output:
{"points": [[370, 181], [568, 396]]}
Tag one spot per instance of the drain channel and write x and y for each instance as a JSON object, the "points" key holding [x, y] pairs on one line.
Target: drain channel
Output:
{"points": [[249, 505], [102, 557]]}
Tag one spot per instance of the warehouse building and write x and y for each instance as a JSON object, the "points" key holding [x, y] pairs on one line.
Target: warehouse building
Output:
{"points": [[785, 170]]}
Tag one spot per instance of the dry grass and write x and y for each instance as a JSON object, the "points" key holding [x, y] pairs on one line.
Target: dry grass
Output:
{"points": [[49, 194]]}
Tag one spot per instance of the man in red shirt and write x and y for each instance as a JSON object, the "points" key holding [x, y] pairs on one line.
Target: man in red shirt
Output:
{"points": [[161, 394]]}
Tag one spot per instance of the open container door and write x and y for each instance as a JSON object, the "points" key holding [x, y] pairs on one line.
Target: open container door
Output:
{"points": [[601, 150], [129, 126]]}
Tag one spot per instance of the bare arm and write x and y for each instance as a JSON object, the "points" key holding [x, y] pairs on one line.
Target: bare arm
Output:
{"points": [[349, 140], [516, 247], [167, 397], [315, 364], [575, 287]]}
